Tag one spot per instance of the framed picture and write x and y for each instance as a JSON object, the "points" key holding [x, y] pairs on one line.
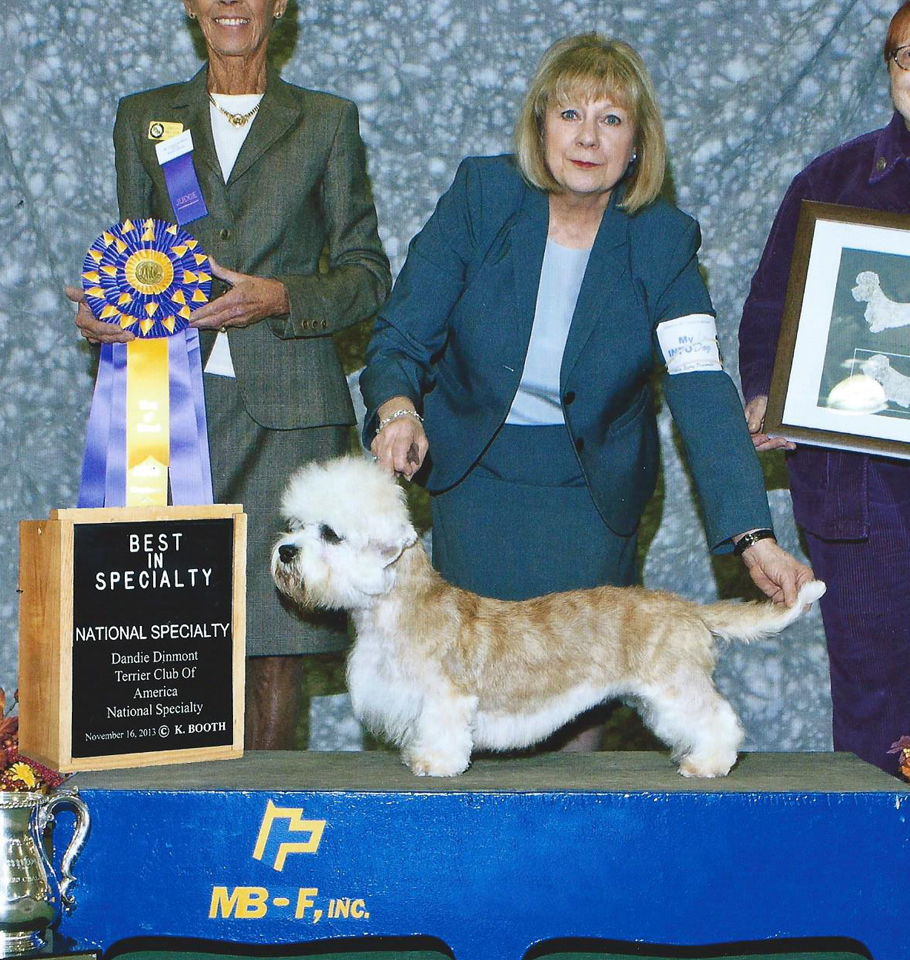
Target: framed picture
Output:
{"points": [[842, 371]]}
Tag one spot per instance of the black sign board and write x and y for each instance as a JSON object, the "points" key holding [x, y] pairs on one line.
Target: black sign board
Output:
{"points": [[152, 636]]}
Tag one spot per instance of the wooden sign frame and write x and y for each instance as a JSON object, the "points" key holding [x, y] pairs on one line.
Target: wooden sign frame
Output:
{"points": [[47, 637]]}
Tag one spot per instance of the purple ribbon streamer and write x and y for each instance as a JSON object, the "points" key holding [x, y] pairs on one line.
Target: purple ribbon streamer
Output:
{"points": [[190, 471], [194, 357], [115, 482], [104, 464], [94, 462]]}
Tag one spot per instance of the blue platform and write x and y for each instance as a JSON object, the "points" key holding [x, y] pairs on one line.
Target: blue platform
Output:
{"points": [[515, 856]]}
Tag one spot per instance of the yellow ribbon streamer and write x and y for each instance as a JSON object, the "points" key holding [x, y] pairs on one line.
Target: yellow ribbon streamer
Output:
{"points": [[147, 422]]}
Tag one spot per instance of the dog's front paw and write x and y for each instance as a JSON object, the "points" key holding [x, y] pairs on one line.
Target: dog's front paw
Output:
{"points": [[435, 764], [707, 767]]}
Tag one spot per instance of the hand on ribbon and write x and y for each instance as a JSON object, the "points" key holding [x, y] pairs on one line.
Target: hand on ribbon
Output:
{"points": [[249, 300], [95, 331]]}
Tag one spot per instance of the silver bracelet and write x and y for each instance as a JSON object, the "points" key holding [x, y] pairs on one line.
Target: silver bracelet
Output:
{"points": [[396, 416]]}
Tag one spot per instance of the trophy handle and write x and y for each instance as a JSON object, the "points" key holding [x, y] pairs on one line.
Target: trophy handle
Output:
{"points": [[71, 798]]}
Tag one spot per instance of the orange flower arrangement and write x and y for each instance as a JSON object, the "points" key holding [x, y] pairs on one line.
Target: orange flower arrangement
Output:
{"points": [[902, 747], [16, 771]]}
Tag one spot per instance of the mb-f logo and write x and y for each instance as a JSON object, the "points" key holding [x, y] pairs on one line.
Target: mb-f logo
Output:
{"points": [[280, 834], [285, 822]]}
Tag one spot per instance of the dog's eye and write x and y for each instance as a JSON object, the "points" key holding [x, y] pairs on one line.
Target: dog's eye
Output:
{"points": [[328, 534]]}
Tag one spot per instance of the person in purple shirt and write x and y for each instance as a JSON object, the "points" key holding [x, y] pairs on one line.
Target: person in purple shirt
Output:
{"points": [[853, 508]]}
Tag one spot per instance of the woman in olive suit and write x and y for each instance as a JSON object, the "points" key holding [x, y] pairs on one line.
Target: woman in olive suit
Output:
{"points": [[282, 173]]}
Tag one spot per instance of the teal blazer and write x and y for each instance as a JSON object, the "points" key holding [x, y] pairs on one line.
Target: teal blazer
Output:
{"points": [[454, 334]]}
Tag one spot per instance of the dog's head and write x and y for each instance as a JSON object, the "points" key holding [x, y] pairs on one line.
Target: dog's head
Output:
{"points": [[876, 367], [867, 284], [347, 525]]}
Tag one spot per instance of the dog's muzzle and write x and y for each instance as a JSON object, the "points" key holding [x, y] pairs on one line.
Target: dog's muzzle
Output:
{"points": [[287, 552]]}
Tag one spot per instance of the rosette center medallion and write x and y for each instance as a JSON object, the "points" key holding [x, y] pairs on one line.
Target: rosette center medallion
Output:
{"points": [[149, 272]]}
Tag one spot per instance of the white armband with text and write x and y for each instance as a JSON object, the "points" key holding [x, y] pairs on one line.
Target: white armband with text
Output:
{"points": [[689, 343]]}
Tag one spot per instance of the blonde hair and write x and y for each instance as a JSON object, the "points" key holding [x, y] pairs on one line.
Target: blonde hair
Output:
{"points": [[595, 67]]}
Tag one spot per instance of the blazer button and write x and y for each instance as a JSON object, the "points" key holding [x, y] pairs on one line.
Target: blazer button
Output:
{"points": [[324, 324], [225, 234], [579, 444], [305, 324], [569, 398]]}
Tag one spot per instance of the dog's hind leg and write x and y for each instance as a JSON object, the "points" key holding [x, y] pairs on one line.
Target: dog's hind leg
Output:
{"points": [[694, 719], [439, 742]]}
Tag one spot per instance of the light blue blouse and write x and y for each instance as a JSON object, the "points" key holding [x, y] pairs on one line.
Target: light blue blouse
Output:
{"points": [[537, 401]]}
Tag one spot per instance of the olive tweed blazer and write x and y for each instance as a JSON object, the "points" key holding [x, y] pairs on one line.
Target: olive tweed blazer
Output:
{"points": [[298, 187]]}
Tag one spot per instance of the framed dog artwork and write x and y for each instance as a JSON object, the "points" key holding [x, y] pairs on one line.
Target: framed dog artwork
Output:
{"points": [[842, 370]]}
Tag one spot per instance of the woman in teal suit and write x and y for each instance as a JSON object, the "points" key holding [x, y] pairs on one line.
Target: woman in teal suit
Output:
{"points": [[516, 347]]}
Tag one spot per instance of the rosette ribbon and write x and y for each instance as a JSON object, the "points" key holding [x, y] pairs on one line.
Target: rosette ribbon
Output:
{"points": [[147, 422]]}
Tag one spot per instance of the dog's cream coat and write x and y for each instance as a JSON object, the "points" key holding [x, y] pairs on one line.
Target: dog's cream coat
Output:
{"points": [[441, 672]]}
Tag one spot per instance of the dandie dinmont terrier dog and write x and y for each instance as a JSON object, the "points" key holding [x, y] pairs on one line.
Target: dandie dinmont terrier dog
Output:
{"points": [[881, 312], [441, 671], [895, 384]]}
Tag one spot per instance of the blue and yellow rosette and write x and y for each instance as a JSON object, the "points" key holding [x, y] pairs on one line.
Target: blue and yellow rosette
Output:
{"points": [[147, 424]]}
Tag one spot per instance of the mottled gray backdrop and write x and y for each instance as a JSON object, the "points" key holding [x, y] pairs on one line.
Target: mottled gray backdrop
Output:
{"points": [[751, 90]]}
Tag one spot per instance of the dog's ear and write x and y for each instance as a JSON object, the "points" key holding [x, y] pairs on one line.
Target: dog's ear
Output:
{"points": [[391, 550]]}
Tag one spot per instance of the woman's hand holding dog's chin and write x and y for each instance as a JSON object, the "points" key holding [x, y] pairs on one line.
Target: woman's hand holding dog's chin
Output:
{"points": [[249, 300], [401, 445], [775, 572], [755, 418]]}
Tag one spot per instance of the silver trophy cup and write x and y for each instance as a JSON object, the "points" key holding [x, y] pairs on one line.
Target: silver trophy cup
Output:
{"points": [[31, 895]]}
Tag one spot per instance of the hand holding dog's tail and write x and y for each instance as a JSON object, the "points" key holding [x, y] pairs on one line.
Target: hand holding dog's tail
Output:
{"points": [[777, 573], [752, 621]]}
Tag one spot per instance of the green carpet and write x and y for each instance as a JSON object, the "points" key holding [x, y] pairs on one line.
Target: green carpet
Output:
{"points": [[333, 955], [653, 953], [715, 954]]}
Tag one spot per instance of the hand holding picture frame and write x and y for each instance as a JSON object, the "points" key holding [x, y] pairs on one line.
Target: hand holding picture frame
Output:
{"points": [[842, 370]]}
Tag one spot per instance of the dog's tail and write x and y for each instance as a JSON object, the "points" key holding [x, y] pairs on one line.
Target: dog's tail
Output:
{"points": [[752, 621]]}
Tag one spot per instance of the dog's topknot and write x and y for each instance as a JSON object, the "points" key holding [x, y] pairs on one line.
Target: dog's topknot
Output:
{"points": [[867, 285], [353, 495]]}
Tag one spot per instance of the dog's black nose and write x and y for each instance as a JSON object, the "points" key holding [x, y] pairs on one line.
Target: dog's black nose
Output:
{"points": [[287, 552]]}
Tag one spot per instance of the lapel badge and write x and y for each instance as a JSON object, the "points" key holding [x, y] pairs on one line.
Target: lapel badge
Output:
{"points": [[163, 130]]}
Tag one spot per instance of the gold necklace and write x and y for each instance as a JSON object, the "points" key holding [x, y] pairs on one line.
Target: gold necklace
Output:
{"points": [[237, 119]]}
